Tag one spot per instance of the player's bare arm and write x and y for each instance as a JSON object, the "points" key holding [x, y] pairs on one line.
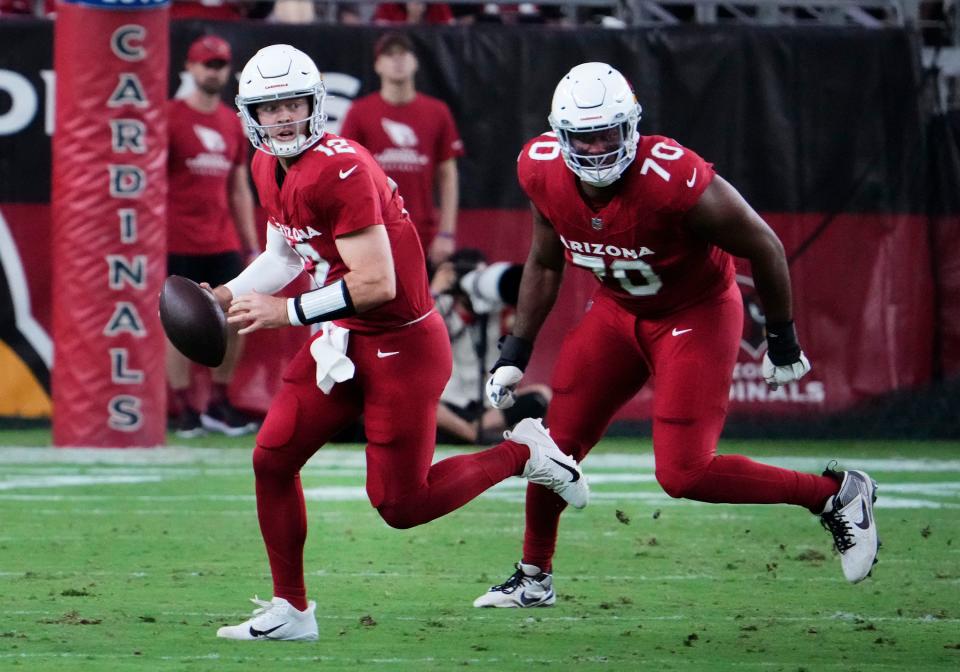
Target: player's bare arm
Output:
{"points": [[372, 280], [724, 218], [542, 274]]}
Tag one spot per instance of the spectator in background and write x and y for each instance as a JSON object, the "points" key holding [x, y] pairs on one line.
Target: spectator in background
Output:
{"points": [[294, 11], [523, 13], [16, 8], [209, 202], [474, 300], [413, 12], [414, 139], [219, 10]]}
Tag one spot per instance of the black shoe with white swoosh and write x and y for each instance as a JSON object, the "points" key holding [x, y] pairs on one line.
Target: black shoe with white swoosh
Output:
{"points": [[848, 516]]}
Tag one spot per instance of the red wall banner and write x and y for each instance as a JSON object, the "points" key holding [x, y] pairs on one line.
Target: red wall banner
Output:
{"points": [[109, 240]]}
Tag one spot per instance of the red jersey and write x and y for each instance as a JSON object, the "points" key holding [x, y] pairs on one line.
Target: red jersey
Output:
{"points": [[336, 188], [636, 245], [408, 141], [204, 149], [22, 7], [396, 12]]}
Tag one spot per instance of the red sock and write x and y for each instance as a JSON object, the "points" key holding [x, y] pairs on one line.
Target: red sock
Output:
{"points": [[543, 522]]}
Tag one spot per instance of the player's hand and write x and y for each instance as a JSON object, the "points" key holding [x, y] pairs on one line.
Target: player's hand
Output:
{"points": [[786, 373], [502, 386], [784, 361], [221, 294], [507, 371], [258, 311]]}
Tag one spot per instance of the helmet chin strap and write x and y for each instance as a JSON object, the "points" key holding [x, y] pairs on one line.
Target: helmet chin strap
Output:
{"points": [[289, 148]]}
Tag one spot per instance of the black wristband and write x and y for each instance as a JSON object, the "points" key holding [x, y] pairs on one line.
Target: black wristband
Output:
{"points": [[514, 351], [330, 302], [782, 345]]}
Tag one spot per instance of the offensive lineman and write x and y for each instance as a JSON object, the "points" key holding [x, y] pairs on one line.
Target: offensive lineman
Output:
{"points": [[658, 227], [383, 350]]}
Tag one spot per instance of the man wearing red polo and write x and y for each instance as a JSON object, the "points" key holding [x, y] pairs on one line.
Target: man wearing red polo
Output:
{"points": [[209, 204], [414, 139]]}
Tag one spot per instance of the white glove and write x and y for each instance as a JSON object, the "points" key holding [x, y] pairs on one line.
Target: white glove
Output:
{"points": [[501, 386], [779, 375]]}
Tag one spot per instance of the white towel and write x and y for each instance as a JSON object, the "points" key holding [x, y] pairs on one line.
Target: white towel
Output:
{"points": [[329, 350]]}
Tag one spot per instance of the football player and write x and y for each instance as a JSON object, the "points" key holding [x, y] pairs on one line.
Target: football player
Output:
{"points": [[383, 350], [658, 228]]}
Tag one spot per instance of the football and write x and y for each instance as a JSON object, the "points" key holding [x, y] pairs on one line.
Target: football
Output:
{"points": [[193, 321]]}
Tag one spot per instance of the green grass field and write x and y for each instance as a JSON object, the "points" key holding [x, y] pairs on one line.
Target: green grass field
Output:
{"points": [[130, 560]]}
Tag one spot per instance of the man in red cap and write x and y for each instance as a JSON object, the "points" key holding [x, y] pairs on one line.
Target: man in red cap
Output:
{"points": [[414, 139], [209, 204]]}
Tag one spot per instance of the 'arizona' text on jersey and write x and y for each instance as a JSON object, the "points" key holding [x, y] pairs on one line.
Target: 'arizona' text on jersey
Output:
{"points": [[334, 189], [636, 244]]}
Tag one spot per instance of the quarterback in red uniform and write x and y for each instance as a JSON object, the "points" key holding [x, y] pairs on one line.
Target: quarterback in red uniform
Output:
{"points": [[382, 351], [657, 226]]}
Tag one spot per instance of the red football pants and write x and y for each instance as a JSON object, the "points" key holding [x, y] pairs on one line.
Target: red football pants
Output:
{"points": [[399, 377], [605, 361]]}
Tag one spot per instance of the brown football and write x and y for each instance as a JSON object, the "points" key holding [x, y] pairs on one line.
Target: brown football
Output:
{"points": [[193, 321]]}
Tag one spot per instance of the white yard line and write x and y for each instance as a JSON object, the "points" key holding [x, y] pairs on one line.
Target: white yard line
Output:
{"points": [[50, 468]]}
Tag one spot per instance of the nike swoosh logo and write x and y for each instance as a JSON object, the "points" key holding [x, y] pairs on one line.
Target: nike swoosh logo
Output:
{"points": [[527, 601], [263, 633], [679, 332], [344, 174], [575, 475], [381, 355], [693, 179], [864, 516]]}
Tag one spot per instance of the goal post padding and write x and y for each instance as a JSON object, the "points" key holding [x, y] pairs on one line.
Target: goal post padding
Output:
{"points": [[108, 254]]}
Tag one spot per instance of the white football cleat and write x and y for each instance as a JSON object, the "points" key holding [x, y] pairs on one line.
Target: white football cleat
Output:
{"points": [[548, 465], [528, 587], [848, 515], [275, 620]]}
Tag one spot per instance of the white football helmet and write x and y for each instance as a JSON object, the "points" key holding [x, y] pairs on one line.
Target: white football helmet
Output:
{"points": [[279, 72], [594, 97]]}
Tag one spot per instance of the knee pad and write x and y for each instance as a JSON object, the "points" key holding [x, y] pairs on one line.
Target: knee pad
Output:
{"points": [[269, 458], [529, 405]]}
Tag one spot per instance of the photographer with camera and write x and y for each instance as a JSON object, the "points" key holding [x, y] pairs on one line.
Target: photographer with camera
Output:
{"points": [[472, 297]]}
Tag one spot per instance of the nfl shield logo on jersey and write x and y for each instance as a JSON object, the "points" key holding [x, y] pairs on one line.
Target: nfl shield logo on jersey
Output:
{"points": [[596, 223]]}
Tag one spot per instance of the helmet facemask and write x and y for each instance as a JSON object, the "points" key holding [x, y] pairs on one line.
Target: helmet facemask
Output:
{"points": [[260, 134], [616, 147]]}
